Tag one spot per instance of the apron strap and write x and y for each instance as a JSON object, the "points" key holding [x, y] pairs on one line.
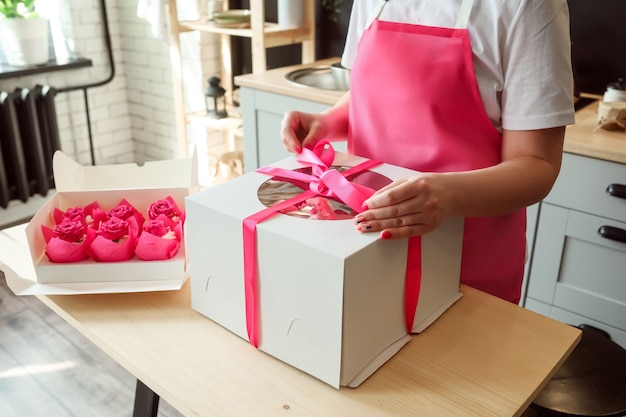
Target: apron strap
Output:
{"points": [[461, 21], [375, 13], [464, 13]]}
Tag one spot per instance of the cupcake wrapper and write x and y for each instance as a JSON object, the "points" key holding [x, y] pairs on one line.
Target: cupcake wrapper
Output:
{"points": [[105, 250], [62, 251], [153, 248]]}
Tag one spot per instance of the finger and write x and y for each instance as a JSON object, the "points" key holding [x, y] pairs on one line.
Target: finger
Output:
{"points": [[366, 225], [389, 186], [288, 144], [290, 125], [394, 193], [399, 232], [399, 213], [405, 232], [311, 139]]}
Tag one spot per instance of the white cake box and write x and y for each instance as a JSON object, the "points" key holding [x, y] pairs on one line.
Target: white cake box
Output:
{"points": [[78, 185], [330, 298]]}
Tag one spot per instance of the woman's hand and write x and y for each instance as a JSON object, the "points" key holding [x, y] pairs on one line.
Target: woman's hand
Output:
{"points": [[299, 129], [531, 160], [408, 207]]}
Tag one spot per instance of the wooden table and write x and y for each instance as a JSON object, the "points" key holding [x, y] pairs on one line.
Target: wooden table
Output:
{"points": [[484, 357]]}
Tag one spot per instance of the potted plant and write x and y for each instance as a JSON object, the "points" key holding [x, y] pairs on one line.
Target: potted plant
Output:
{"points": [[333, 7], [24, 35]]}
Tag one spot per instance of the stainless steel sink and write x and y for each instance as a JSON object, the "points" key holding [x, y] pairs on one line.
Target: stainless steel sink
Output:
{"points": [[316, 77]]}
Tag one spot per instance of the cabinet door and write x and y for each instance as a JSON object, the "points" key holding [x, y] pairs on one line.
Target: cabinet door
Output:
{"points": [[531, 227], [584, 185], [576, 269], [262, 113], [618, 336]]}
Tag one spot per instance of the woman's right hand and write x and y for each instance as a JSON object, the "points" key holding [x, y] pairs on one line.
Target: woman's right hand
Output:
{"points": [[299, 129]]}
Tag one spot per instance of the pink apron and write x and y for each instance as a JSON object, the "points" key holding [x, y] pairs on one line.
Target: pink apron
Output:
{"points": [[415, 103]]}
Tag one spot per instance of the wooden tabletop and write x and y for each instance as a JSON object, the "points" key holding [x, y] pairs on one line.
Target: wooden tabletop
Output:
{"points": [[483, 357]]}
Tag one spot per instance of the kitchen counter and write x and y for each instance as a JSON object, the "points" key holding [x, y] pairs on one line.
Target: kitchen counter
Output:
{"points": [[580, 138], [275, 81]]}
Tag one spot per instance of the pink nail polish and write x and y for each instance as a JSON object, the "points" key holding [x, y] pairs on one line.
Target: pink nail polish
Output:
{"points": [[386, 234], [364, 205]]}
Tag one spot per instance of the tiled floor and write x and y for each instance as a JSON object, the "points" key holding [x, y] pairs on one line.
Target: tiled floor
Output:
{"points": [[48, 369]]}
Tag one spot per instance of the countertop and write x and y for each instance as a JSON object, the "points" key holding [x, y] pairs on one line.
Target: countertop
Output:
{"points": [[583, 139], [275, 81], [580, 138]]}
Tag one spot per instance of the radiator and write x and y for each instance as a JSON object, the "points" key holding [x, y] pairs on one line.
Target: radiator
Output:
{"points": [[29, 136]]}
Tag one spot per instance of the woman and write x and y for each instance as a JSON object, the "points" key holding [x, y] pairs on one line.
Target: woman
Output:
{"points": [[473, 94]]}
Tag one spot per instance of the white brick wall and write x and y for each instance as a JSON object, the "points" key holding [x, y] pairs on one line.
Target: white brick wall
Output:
{"points": [[148, 69], [132, 117], [140, 48], [88, 40]]}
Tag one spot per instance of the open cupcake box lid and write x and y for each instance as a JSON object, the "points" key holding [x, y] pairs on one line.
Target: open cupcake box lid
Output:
{"points": [[22, 255]]}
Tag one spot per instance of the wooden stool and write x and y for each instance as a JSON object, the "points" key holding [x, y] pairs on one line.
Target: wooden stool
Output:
{"points": [[590, 383]]}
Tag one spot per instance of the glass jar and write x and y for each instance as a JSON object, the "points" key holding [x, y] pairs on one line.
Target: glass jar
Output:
{"points": [[615, 92]]}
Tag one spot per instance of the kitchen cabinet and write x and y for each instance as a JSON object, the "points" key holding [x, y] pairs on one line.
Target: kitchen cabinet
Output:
{"points": [[532, 214], [577, 270], [263, 35]]}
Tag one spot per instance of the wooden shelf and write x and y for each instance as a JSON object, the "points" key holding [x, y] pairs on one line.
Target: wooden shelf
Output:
{"points": [[274, 35], [263, 35]]}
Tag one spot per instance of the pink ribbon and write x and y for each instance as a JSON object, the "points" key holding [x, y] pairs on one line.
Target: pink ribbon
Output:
{"points": [[412, 281], [322, 181]]}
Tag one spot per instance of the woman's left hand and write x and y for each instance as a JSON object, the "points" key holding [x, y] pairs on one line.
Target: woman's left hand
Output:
{"points": [[408, 207]]}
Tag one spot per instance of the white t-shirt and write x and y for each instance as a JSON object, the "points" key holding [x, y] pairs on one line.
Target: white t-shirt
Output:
{"points": [[521, 51]]}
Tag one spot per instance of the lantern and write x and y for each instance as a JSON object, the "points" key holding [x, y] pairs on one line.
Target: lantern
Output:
{"points": [[214, 97]]}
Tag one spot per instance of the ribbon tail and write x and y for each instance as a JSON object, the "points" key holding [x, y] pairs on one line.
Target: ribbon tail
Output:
{"points": [[347, 192], [413, 280], [250, 279], [321, 156], [286, 174], [250, 263], [370, 163]]}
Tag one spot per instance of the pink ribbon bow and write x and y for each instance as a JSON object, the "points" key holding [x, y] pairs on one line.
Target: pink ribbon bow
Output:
{"points": [[323, 181]]}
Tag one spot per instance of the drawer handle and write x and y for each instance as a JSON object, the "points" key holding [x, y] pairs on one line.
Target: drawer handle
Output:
{"points": [[613, 233], [617, 190]]}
